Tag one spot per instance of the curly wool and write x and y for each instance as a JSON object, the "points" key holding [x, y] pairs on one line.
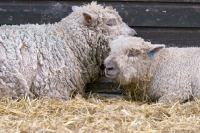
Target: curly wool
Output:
{"points": [[55, 60], [174, 72]]}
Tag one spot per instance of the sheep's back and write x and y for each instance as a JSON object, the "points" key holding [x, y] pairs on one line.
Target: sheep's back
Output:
{"points": [[34, 53], [175, 71]]}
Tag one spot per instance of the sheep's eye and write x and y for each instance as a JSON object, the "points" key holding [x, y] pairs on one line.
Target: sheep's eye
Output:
{"points": [[111, 22], [132, 53]]}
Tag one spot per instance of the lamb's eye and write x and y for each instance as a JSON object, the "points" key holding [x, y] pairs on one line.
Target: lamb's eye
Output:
{"points": [[111, 22], [132, 53]]}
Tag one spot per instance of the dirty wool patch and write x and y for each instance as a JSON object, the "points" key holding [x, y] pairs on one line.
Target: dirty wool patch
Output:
{"points": [[96, 114]]}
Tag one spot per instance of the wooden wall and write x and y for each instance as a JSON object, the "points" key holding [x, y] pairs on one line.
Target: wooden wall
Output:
{"points": [[170, 22]]}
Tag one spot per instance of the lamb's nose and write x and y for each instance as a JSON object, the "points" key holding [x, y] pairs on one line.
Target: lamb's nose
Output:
{"points": [[111, 67], [108, 68]]}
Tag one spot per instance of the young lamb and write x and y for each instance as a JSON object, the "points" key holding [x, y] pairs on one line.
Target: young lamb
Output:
{"points": [[57, 59], [174, 73]]}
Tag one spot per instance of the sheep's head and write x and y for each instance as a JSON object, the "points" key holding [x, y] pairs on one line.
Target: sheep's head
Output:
{"points": [[130, 59], [105, 21]]}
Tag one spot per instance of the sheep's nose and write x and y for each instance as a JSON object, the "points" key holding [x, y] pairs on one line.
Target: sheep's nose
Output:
{"points": [[133, 33]]}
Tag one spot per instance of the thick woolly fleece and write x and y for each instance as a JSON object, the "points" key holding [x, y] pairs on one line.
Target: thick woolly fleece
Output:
{"points": [[175, 72], [55, 60]]}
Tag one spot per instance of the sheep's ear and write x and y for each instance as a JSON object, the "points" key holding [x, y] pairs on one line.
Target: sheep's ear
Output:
{"points": [[74, 8], [87, 18], [155, 48]]}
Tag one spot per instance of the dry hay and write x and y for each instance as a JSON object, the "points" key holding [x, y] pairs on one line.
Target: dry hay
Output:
{"points": [[97, 114], [136, 90]]}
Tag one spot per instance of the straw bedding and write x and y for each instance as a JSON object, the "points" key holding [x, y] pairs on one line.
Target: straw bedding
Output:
{"points": [[97, 114]]}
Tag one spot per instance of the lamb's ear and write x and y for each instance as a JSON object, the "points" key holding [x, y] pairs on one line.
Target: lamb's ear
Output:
{"points": [[87, 18], [155, 48], [74, 8]]}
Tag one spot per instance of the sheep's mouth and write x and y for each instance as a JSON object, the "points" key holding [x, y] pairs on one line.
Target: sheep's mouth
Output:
{"points": [[111, 76]]}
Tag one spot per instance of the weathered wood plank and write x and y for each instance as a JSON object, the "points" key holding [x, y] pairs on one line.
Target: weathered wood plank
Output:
{"points": [[163, 1], [33, 12], [160, 14], [176, 37], [144, 14], [183, 1], [104, 85], [104, 88]]}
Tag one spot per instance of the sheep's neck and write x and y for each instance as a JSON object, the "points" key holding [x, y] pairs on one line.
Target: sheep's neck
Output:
{"points": [[89, 49]]}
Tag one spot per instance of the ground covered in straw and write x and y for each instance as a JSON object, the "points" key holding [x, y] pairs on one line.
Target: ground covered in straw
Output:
{"points": [[93, 115]]}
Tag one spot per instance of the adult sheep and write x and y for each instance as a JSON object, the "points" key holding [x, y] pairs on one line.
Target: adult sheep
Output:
{"points": [[174, 73], [57, 59]]}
